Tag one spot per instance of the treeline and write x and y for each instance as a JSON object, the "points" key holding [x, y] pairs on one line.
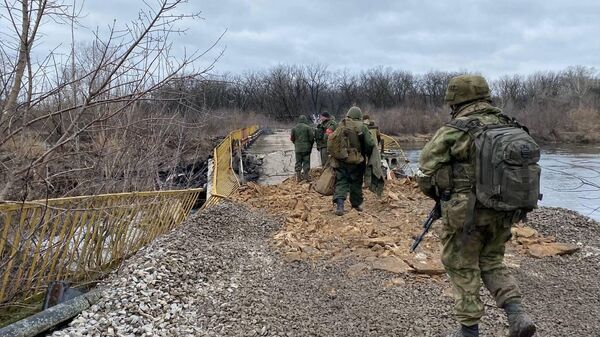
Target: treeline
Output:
{"points": [[556, 104]]}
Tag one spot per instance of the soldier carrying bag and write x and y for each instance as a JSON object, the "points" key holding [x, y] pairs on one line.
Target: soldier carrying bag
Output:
{"points": [[344, 143], [507, 173]]}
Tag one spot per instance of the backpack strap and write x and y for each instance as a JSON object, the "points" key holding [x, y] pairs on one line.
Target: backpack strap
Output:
{"points": [[472, 126], [513, 122]]}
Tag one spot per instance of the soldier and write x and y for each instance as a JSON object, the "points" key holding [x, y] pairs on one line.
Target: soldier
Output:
{"points": [[374, 129], [324, 129], [473, 235], [303, 137], [350, 167]]}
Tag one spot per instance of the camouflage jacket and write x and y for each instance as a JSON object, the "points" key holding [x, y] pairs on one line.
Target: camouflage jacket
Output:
{"points": [[374, 131], [303, 136], [450, 145], [324, 129], [448, 158]]}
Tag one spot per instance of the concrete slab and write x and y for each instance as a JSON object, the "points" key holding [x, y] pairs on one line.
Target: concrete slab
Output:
{"points": [[279, 158]]}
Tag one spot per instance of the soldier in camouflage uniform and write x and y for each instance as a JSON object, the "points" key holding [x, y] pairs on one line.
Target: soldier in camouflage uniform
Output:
{"points": [[303, 137], [374, 129], [349, 177], [476, 253], [324, 129]]}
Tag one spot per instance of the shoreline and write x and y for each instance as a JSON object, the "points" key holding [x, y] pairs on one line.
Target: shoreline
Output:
{"points": [[424, 138]]}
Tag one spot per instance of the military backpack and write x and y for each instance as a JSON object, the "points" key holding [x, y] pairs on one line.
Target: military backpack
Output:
{"points": [[507, 173], [344, 143]]}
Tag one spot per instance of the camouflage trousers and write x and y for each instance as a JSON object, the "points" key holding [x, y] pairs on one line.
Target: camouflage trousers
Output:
{"points": [[349, 180], [302, 162], [477, 256], [324, 156]]}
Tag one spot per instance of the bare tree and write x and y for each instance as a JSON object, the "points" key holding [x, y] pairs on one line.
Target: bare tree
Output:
{"points": [[62, 101]]}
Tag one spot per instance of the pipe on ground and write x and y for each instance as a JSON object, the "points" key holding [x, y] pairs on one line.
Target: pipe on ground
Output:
{"points": [[51, 317]]}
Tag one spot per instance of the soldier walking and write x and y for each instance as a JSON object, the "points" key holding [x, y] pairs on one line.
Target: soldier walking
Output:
{"points": [[324, 129], [374, 129], [349, 147], [376, 135], [303, 137], [476, 229]]}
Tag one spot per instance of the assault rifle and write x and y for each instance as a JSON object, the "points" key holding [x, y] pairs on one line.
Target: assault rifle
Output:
{"points": [[434, 214]]}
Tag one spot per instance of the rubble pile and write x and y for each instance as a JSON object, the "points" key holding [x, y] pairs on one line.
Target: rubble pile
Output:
{"points": [[379, 237], [530, 241]]}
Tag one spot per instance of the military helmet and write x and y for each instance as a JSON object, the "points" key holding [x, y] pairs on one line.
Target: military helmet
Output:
{"points": [[466, 88], [303, 119], [354, 113]]}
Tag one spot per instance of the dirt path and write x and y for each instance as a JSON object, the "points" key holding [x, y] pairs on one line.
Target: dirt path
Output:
{"points": [[218, 275]]}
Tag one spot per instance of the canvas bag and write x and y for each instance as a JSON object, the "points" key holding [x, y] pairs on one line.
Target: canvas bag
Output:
{"points": [[325, 185]]}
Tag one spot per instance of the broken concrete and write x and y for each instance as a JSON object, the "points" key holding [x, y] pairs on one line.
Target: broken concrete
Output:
{"points": [[277, 153]]}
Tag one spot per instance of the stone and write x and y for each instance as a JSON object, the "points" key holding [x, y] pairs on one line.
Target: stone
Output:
{"points": [[551, 249], [382, 241], [357, 269], [524, 232], [426, 266], [395, 282], [391, 264]]}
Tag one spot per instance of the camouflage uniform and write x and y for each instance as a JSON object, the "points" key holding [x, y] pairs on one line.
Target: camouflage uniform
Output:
{"points": [[324, 129], [469, 255], [376, 135], [303, 137], [349, 177]]}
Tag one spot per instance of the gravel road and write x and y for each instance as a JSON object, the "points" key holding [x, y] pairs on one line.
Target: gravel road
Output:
{"points": [[218, 275]]}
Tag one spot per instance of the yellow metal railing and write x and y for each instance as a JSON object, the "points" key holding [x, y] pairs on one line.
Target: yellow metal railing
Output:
{"points": [[77, 239], [225, 181]]}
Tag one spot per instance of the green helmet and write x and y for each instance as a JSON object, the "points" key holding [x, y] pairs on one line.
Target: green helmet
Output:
{"points": [[466, 88], [303, 119], [354, 113]]}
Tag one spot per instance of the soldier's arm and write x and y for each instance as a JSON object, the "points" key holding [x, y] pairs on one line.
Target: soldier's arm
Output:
{"points": [[292, 136], [369, 141], [333, 125], [440, 149]]}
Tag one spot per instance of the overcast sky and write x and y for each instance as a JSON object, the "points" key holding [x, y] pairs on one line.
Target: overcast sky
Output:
{"points": [[492, 37]]}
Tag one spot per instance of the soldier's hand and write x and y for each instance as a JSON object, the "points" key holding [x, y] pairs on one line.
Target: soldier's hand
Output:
{"points": [[425, 185]]}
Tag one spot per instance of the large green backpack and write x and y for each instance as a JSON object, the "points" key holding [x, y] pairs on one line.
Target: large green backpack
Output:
{"points": [[344, 143], [507, 174]]}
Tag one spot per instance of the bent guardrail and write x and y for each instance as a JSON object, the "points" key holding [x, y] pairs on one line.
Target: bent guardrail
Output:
{"points": [[78, 239]]}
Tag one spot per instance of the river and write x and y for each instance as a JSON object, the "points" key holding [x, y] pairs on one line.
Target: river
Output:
{"points": [[570, 176]]}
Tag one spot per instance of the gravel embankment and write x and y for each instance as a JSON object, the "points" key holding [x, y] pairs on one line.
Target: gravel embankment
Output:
{"points": [[217, 275]]}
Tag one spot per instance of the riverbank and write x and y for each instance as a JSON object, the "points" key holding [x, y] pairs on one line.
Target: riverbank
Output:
{"points": [[566, 138], [218, 275]]}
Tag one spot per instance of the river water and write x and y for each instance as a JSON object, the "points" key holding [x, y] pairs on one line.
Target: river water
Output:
{"points": [[570, 176]]}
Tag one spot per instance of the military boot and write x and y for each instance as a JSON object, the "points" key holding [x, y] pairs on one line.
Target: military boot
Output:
{"points": [[465, 331], [339, 210], [360, 207], [298, 176], [520, 324], [306, 176]]}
